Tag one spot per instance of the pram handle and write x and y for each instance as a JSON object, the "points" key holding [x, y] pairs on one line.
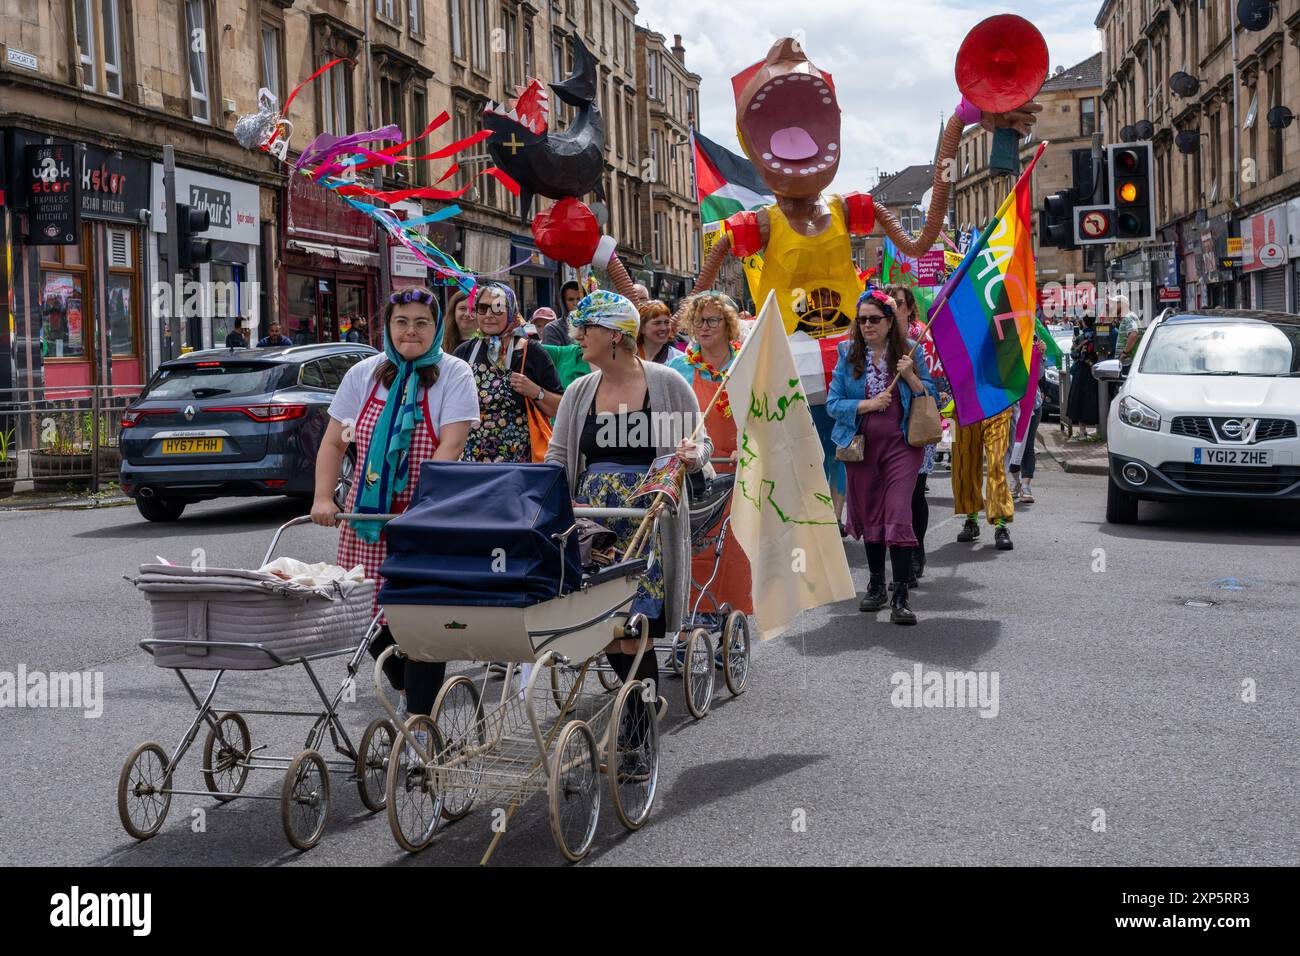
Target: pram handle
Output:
{"points": [[306, 519]]}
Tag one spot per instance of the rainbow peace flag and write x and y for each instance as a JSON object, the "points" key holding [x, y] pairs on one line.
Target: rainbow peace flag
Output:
{"points": [[983, 325]]}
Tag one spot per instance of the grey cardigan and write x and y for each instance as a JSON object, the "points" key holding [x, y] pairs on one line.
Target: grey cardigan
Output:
{"points": [[668, 393]]}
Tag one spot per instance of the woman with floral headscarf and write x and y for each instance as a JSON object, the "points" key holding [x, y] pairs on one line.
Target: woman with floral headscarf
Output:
{"points": [[509, 372], [406, 406], [714, 327], [610, 426], [861, 402]]}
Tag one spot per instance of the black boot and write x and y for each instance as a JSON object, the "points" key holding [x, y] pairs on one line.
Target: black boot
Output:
{"points": [[899, 611], [875, 598], [970, 530], [918, 562], [1002, 538]]}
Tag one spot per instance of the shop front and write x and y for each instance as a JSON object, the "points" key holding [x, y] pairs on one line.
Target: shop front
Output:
{"points": [[1218, 269], [74, 267], [1265, 253], [536, 274], [330, 274], [218, 294]]}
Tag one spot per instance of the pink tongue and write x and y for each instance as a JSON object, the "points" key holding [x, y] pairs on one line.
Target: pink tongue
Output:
{"points": [[793, 143]]}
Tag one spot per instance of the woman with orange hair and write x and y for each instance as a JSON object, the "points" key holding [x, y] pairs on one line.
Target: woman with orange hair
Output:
{"points": [[654, 342], [713, 324]]}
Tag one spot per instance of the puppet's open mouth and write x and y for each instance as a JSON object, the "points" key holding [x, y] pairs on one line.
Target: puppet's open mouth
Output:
{"points": [[792, 125]]}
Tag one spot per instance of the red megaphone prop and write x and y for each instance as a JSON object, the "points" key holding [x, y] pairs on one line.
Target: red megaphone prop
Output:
{"points": [[1002, 63]]}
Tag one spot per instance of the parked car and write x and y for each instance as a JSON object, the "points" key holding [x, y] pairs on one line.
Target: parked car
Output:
{"points": [[1209, 410], [230, 423]]}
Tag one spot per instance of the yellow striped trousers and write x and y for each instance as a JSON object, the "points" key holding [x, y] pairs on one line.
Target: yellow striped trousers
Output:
{"points": [[973, 447]]}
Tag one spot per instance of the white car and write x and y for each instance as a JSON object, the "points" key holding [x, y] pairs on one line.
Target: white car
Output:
{"points": [[1209, 409]]}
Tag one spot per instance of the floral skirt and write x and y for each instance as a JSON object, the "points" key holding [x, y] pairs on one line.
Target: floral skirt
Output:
{"points": [[608, 486]]}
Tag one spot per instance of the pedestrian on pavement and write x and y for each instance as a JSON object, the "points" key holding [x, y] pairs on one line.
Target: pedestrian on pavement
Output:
{"points": [[541, 318], [410, 404], [463, 326], [238, 337], [508, 374], [274, 338], [1081, 404], [558, 333], [1130, 331], [654, 341], [605, 465], [880, 485]]}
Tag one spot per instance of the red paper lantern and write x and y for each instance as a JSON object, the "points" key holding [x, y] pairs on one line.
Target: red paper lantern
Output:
{"points": [[568, 231]]}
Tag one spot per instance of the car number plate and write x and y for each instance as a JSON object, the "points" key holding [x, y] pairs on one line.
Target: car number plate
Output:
{"points": [[1236, 457], [192, 446]]}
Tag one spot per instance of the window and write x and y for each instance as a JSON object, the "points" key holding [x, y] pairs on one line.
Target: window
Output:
{"points": [[654, 156], [65, 309], [652, 74], [528, 50], [336, 96], [659, 237], [1275, 135], [478, 35], [457, 31], [1087, 116], [616, 41], [415, 17], [271, 59], [419, 119], [390, 102], [384, 9], [509, 52], [196, 32], [1215, 146], [99, 28], [618, 124]]}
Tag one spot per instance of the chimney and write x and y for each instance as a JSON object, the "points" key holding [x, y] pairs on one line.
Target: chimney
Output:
{"points": [[679, 51]]}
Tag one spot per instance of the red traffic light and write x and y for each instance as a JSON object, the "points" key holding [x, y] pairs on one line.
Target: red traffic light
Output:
{"points": [[1126, 160]]}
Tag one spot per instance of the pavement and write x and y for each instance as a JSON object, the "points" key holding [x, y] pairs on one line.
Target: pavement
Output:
{"points": [[1144, 714], [1073, 455]]}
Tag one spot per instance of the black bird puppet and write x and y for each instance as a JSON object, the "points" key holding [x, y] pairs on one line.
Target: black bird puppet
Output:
{"points": [[554, 165]]}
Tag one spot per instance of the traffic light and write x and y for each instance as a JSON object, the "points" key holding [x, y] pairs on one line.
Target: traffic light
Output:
{"points": [[189, 223], [1134, 197], [1056, 222], [1127, 209]]}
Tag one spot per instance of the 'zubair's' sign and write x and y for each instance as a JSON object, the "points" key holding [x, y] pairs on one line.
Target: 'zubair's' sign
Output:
{"points": [[54, 205]]}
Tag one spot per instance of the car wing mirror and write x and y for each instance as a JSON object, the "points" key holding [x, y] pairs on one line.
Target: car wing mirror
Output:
{"points": [[1108, 370]]}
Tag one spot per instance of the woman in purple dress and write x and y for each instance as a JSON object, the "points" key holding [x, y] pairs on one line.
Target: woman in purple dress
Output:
{"points": [[880, 486]]}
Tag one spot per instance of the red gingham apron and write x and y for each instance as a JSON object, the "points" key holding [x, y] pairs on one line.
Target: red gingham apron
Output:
{"points": [[352, 550]]}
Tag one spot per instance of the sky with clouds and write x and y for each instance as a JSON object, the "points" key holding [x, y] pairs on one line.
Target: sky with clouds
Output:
{"points": [[892, 62]]}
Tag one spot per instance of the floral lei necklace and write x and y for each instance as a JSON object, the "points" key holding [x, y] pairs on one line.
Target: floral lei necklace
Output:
{"points": [[696, 361]]}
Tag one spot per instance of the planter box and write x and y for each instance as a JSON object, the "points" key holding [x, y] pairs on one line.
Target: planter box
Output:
{"points": [[54, 471], [110, 462], [8, 475]]}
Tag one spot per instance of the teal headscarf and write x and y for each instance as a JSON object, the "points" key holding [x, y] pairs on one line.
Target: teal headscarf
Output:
{"points": [[388, 466]]}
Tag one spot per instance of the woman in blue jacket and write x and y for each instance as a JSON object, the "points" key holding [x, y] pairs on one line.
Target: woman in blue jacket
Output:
{"points": [[880, 486]]}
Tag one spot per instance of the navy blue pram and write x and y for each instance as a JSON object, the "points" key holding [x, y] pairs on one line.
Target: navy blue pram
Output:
{"points": [[481, 535]]}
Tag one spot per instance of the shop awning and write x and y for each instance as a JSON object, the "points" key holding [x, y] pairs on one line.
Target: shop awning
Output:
{"points": [[352, 257]]}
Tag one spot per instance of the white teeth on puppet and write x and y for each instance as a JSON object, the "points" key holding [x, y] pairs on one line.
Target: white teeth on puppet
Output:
{"points": [[778, 166], [787, 170], [756, 106], [831, 146], [829, 159], [826, 100], [767, 155], [821, 165], [762, 95], [777, 82]]}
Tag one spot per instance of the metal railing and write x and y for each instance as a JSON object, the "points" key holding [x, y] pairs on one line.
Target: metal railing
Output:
{"points": [[61, 438]]}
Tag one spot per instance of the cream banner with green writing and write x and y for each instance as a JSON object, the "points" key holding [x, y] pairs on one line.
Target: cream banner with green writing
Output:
{"points": [[781, 511]]}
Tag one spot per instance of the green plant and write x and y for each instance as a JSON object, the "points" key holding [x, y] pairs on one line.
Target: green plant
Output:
{"points": [[6, 444], [61, 434]]}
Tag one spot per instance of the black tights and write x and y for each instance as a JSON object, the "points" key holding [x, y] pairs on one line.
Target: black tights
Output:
{"points": [[900, 559], [420, 679], [920, 511], [649, 669]]}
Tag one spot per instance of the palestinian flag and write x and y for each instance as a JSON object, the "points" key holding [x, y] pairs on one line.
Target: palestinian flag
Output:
{"points": [[724, 182]]}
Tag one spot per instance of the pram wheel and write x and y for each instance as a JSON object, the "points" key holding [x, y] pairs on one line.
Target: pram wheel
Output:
{"points": [[632, 756], [574, 790], [143, 795], [699, 677], [225, 752], [563, 679], [735, 652], [608, 679], [372, 763], [414, 802], [458, 716], [305, 800]]}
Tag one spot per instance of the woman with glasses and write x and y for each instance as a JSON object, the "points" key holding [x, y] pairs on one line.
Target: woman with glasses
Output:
{"points": [[880, 485], [714, 326], [509, 372], [611, 425], [655, 340], [410, 404]]}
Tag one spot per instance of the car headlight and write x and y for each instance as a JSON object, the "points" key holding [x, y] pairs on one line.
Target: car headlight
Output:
{"points": [[1052, 375], [1132, 412]]}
